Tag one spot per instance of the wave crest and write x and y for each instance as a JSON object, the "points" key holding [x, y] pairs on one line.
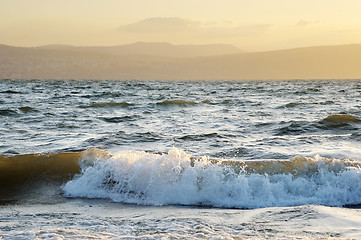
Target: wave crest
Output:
{"points": [[341, 119], [177, 178]]}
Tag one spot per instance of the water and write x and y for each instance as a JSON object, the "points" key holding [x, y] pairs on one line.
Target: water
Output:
{"points": [[231, 159]]}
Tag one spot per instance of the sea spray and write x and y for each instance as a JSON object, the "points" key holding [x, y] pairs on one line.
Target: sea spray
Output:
{"points": [[177, 178]]}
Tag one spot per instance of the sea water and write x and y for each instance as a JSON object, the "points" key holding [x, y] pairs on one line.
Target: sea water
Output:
{"points": [[180, 159]]}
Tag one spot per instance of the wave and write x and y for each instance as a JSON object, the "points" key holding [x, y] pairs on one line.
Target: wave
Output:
{"points": [[8, 113], [121, 138], [295, 128], [120, 119], [15, 113], [297, 104], [36, 177], [39, 177], [331, 122], [293, 104], [198, 137], [11, 92], [22, 169], [108, 104], [341, 119], [27, 109], [177, 178], [176, 102]]}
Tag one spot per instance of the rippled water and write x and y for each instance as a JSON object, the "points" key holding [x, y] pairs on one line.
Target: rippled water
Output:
{"points": [[245, 120], [272, 147]]}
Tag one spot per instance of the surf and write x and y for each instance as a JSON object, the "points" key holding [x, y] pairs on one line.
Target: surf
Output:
{"points": [[178, 178]]}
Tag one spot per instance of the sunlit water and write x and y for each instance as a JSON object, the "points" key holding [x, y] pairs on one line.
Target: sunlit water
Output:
{"points": [[243, 120], [192, 155]]}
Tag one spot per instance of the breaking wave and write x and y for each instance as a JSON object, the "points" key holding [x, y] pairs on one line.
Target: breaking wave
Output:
{"points": [[35, 176], [17, 169], [177, 178]]}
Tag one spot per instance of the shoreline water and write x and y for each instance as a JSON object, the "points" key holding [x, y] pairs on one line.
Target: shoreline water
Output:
{"points": [[99, 219], [270, 157], [178, 178]]}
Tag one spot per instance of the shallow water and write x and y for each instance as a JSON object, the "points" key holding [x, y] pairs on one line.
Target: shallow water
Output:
{"points": [[287, 151], [99, 219]]}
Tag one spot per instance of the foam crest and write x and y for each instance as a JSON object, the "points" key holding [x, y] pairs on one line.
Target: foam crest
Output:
{"points": [[177, 178]]}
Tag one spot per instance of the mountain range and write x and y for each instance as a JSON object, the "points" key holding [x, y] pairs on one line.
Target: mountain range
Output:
{"points": [[152, 48], [163, 61]]}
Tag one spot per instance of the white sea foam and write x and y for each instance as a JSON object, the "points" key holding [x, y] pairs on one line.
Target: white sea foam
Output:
{"points": [[175, 178]]}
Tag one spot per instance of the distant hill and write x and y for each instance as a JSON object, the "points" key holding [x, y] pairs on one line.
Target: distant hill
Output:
{"points": [[324, 62], [320, 62], [153, 49]]}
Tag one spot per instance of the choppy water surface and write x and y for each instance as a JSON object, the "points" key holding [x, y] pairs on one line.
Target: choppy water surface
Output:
{"points": [[242, 120], [276, 148]]}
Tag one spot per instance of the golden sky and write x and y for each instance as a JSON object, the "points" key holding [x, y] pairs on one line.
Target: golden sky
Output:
{"points": [[252, 25]]}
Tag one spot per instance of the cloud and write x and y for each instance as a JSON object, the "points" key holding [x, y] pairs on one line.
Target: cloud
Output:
{"points": [[160, 25], [303, 23], [176, 25]]}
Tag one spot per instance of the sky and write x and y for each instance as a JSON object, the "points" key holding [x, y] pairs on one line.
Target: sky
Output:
{"points": [[251, 25]]}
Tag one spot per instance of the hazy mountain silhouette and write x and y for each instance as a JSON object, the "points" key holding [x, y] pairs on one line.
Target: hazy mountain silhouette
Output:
{"points": [[153, 48], [327, 62]]}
